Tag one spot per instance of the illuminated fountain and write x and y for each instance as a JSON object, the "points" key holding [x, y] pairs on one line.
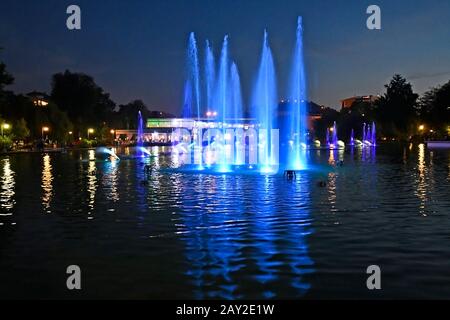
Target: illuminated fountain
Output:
{"points": [[110, 153], [264, 103], [369, 138], [192, 87], [140, 136], [220, 139], [297, 107], [352, 138]]}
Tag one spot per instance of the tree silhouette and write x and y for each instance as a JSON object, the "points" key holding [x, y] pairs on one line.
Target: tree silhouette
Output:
{"points": [[396, 109]]}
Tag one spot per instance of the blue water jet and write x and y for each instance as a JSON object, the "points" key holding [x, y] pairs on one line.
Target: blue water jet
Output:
{"points": [[222, 101], [192, 86], [264, 103], [210, 76], [236, 95], [298, 104], [140, 135]]}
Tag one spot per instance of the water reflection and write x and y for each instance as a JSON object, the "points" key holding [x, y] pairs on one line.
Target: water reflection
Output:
{"points": [[7, 192], [91, 181], [421, 179], [237, 239], [110, 180], [47, 183]]}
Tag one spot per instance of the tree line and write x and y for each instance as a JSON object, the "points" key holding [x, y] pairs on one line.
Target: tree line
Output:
{"points": [[400, 114], [75, 105]]}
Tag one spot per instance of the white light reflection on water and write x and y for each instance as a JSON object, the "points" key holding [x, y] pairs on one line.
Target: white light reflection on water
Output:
{"points": [[7, 184], [422, 180], [47, 183], [91, 181]]}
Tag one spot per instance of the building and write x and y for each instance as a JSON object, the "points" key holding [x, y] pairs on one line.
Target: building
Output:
{"points": [[39, 99], [161, 130], [348, 102]]}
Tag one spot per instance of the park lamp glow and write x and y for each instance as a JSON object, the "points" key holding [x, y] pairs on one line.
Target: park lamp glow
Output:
{"points": [[5, 126]]}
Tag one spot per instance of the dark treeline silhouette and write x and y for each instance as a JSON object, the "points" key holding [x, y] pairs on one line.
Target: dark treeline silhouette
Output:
{"points": [[75, 105], [399, 114]]}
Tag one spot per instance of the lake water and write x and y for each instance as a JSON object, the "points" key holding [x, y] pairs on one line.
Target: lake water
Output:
{"points": [[191, 235]]}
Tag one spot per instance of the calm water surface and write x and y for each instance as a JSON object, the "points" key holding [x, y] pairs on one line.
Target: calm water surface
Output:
{"points": [[190, 235]]}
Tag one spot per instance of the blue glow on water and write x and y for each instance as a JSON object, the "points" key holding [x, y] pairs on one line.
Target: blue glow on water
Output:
{"points": [[113, 157], [213, 229]]}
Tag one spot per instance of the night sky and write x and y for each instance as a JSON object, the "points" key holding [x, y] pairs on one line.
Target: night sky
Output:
{"points": [[136, 49]]}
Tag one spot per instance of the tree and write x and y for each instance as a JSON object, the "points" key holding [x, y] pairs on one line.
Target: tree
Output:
{"points": [[59, 122], [354, 117], [20, 130], [329, 115], [434, 108], [128, 114], [84, 101], [396, 109], [6, 79]]}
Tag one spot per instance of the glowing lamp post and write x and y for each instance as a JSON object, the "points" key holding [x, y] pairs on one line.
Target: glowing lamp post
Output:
{"points": [[5, 126], [90, 131], [44, 129], [421, 128]]}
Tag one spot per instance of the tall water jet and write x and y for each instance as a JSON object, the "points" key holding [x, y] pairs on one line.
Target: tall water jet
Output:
{"points": [[352, 138], [140, 134], [192, 88], [236, 95], [210, 75], [298, 105], [364, 138], [222, 101], [373, 137], [335, 137], [187, 104], [264, 103]]}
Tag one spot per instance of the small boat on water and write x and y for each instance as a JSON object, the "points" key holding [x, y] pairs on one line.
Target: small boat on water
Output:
{"points": [[438, 144]]}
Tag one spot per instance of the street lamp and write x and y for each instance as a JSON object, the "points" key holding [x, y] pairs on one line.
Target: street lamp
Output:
{"points": [[421, 127], [44, 129], [90, 131], [5, 126]]}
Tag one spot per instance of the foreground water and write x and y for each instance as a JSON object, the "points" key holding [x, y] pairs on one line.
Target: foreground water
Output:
{"points": [[189, 235]]}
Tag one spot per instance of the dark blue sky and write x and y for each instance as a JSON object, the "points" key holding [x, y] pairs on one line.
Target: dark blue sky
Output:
{"points": [[136, 49]]}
